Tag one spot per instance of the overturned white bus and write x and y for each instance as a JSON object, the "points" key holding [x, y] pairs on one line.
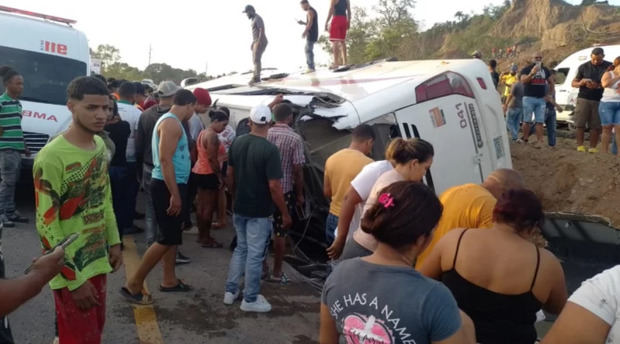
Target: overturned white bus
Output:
{"points": [[450, 103]]}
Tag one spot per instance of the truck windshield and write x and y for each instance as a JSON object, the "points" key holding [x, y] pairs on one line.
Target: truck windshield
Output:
{"points": [[45, 76]]}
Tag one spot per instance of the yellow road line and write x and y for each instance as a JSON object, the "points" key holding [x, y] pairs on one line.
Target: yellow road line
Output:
{"points": [[146, 319]]}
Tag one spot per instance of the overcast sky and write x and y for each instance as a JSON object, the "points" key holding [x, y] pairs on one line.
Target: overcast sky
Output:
{"points": [[213, 34]]}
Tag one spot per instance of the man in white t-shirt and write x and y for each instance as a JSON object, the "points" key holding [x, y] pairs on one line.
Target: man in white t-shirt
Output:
{"points": [[592, 313], [354, 201], [131, 114]]}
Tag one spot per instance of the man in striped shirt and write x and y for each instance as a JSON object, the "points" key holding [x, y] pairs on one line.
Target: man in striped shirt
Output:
{"points": [[12, 145], [291, 148]]}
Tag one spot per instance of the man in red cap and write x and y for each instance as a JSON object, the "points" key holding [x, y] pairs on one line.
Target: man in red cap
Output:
{"points": [[199, 120]]}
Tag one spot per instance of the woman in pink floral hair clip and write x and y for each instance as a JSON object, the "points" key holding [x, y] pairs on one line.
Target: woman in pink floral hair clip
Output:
{"points": [[381, 298]]}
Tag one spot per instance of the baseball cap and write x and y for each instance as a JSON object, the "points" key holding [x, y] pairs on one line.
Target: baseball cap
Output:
{"points": [[167, 89], [260, 114], [202, 96], [477, 54], [248, 8], [598, 51], [514, 67]]}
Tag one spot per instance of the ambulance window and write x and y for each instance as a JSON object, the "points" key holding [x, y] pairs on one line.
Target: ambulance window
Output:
{"points": [[560, 75], [46, 77]]}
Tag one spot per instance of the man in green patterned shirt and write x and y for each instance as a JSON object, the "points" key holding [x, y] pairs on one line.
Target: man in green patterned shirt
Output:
{"points": [[11, 144], [72, 195]]}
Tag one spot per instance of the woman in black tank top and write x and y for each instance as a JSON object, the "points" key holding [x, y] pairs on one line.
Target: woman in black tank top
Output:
{"points": [[498, 276]]}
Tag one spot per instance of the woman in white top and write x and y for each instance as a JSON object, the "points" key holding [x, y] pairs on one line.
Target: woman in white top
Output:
{"points": [[354, 200], [411, 160], [592, 313], [609, 108]]}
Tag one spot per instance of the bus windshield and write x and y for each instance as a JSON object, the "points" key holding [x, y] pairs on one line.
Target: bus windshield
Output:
{"points": [[46, 77]]}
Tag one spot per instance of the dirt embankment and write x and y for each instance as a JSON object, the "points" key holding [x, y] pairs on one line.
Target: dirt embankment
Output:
{"points": [[570, 181]]}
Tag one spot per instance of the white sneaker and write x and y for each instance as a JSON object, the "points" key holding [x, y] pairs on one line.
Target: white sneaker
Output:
{"points": [[229, 298], [260, 305]]}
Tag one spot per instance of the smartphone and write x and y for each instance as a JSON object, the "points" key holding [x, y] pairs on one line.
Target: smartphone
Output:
{"points": [[538, 64], [64, 243]]}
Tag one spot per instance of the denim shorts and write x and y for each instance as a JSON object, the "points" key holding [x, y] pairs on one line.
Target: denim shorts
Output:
{"points": [[609, 112], [536, 106]]}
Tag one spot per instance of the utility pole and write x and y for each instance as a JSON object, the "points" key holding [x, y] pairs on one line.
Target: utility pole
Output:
{"points": [[150, 51]]}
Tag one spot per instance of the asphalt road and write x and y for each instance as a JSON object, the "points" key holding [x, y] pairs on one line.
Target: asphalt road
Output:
{"points": [[195, 317]]}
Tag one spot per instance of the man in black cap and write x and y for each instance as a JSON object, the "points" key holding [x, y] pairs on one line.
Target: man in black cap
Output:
{"points": [[588, 80], [259, 40]]}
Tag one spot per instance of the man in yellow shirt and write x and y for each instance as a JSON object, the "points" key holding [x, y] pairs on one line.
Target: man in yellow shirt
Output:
{"points": [[471, 205], [508, 80], [340, 169]]}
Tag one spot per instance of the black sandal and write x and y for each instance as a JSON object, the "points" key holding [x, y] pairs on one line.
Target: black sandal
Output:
{"points": [[180, 287], [136, 299]]}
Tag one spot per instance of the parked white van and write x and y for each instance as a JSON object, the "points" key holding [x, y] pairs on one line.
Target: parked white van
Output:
{"points": [[49, 53], [565, 93]]}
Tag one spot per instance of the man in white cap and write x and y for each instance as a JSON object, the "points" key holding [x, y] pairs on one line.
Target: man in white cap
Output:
{"points": [[254, 174]]}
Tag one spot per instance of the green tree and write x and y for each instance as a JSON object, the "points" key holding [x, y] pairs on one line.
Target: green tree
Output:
{"points": [[123, 71], [162, 71], [108, 55]]}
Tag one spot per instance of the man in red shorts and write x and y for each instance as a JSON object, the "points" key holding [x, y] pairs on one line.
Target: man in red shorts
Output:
{"points": [[73, 195], [340, 16]]}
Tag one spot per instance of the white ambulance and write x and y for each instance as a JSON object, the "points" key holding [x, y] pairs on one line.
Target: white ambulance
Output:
{"points": [[565, 93], [450, 103], [49, 53]]}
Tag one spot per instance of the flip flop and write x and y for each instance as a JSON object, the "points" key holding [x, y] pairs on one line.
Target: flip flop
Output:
{"points": [[136, 299], [211, 243], [180, 287]]}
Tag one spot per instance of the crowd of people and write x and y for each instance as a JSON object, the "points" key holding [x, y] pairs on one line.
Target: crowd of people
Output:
{"points": [[528, 98]]}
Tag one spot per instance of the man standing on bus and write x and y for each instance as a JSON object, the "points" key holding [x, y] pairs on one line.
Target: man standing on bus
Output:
{"points": [[340, 11], [311, 33], [588, 79], [259, 41], [11, 145]]}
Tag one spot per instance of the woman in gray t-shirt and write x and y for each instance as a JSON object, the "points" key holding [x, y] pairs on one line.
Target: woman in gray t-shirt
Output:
{"points": [[381, 298]]}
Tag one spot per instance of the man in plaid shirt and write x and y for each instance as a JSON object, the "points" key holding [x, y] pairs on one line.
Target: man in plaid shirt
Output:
{"points": [[291, 149]]}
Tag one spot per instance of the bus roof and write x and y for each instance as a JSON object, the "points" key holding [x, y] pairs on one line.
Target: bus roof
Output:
{"points": [[352, 84]]}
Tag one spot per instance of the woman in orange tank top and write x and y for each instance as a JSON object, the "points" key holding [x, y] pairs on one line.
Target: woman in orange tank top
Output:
{"points": [[208, 176]]}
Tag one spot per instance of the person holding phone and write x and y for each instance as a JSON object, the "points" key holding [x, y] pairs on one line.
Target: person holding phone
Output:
{"points": [[311, 32], [73, 195], [537, 82], [588, 80]]}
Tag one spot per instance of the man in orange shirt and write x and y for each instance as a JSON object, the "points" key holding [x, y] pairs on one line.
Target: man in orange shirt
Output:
{"points": [[471, 205], [340, 169]]}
